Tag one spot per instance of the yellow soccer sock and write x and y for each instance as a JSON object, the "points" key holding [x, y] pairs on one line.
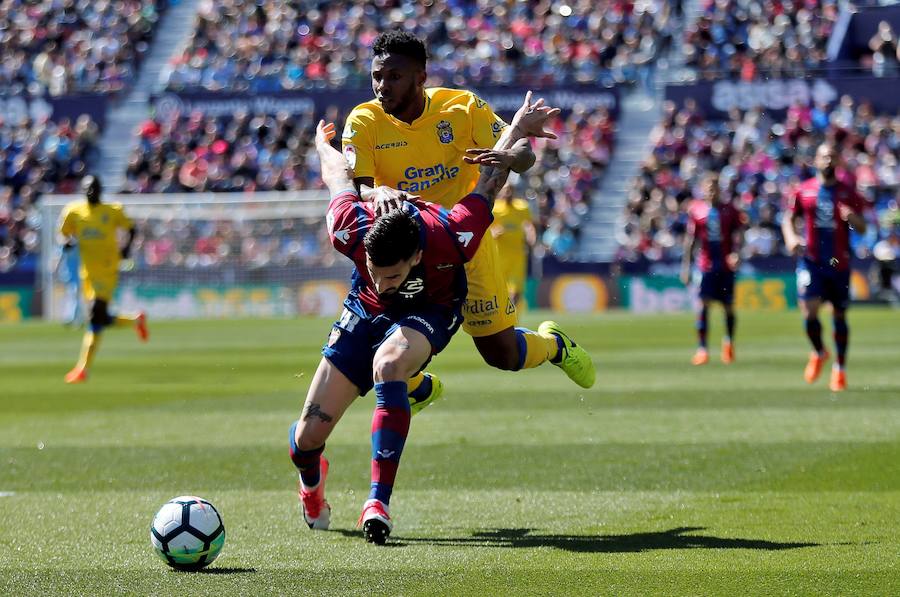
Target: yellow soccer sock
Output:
{"points": [[120, 320], [88, 349], [413, 383], [538, 348]]}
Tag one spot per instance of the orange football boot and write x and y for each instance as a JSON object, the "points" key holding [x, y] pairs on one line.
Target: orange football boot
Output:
{"points": [[814, 365]]}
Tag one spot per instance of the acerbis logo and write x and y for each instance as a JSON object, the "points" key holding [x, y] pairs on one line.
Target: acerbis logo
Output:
{"points": [[392, 145]]}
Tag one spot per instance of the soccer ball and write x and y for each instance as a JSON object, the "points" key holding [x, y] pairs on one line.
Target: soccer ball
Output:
{"points": [[187, 533]]}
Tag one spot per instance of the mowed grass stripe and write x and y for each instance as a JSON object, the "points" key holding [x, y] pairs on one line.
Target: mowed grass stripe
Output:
{"points": [[195, 426], [794, 466]]}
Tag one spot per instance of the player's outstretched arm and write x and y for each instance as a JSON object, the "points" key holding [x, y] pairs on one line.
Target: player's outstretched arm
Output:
{"points": [[495, 163], [336, 172]]}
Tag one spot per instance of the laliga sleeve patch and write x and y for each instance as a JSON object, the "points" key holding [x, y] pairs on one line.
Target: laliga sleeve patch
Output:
{"points": [[350, 155]]}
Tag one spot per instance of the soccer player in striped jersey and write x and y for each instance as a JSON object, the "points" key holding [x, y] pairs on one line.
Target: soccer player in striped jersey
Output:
{"points": [[716, 228], [410, 142], [404, 306], [828, 208]]}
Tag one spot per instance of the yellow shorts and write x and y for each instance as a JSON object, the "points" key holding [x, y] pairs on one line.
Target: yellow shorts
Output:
{"points": [[488, 309], [515, 270], [99, 287]]}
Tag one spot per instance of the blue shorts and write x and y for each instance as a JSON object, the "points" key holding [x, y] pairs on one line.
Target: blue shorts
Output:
{"points": [[717, 286], [823, 282], [357, 335]]}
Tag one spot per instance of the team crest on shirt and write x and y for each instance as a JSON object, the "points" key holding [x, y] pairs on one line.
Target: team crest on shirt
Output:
{"points": [[496, 128], [445, 132]]}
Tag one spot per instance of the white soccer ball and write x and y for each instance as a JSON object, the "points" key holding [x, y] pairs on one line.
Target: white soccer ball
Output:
{"points": [[187, 533]]}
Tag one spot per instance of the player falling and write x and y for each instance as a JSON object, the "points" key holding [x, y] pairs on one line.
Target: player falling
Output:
{"points": [[410, 142], [717, 228], [829, 208], [405, 305], [93, 226]]}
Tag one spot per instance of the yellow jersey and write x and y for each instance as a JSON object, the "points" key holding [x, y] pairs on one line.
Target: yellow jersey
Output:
{"points": [[424, 158], [94, 227], [511, 216]]}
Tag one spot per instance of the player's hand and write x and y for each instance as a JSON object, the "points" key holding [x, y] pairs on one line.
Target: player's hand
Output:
{"points": [[733, 261], [324, 133], [797, 249], [685, 276], [387, 199], [490, 157], [844, 211], [530, 118]]}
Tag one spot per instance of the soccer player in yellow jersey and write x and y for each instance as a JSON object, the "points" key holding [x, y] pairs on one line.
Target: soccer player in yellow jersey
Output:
{"points": [[411, 142], [95, 225], [513, 230]]}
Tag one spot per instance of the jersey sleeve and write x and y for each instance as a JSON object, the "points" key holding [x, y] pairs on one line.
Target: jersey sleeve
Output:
{"points": [[486, 126], [358, 143], [794, 202], [67, 222], [122, 219], [467, 222], [348, 219]]}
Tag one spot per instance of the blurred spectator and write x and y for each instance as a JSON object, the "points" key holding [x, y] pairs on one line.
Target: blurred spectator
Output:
{"points": [[71, 46], [301, 44], [244, 152], [758, 160], [885, 51], [37, 157], [750, 39], [260, 152]]}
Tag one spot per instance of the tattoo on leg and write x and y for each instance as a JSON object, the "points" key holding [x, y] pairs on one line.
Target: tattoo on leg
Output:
{"points": [[314, 410]]}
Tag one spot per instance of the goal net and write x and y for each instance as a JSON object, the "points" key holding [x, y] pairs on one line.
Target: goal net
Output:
{"points": [[212, 256]]}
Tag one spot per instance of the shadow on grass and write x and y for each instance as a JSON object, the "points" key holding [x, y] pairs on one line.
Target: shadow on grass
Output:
{"points": [[227, 571], [635, 542]]}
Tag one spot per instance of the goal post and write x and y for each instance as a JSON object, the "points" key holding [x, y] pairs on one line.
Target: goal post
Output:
{"points": [[214, 255]]}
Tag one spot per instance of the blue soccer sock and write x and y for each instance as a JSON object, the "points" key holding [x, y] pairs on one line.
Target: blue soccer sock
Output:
{"points": [[306, 461], [390, 425], [701, 326], [814, 333], [841, 340]]}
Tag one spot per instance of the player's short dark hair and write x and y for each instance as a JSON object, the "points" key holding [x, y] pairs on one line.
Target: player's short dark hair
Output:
{"points": [[404, 43], [394, 237]]}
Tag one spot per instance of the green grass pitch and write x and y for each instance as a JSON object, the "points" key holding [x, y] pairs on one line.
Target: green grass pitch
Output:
{"points": [[663, 479]]}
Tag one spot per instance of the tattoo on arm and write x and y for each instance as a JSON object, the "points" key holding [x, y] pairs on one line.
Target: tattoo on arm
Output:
{"points": [[314, 410]]}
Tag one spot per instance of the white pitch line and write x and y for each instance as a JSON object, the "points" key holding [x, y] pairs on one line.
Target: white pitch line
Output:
{"points": [[7, 493]]}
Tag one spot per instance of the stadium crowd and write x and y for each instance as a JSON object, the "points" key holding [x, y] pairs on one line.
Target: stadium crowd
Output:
{"points": [[758, 159], [259, 152], [751, 39], [37, 157], [73, 46], [251, 46], [198, 244]]}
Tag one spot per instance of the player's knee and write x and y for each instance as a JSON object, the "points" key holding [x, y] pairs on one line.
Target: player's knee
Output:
{"points": [[309, 436], [99, 316], [506, 359], [388, 368]]}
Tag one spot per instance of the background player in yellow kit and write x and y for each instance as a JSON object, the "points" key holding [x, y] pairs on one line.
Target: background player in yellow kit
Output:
{"points": [[94, 226], [410, 142], [513, 230]]}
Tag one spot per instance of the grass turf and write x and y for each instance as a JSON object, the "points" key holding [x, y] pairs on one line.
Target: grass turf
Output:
{"points": [[662, 479]]}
